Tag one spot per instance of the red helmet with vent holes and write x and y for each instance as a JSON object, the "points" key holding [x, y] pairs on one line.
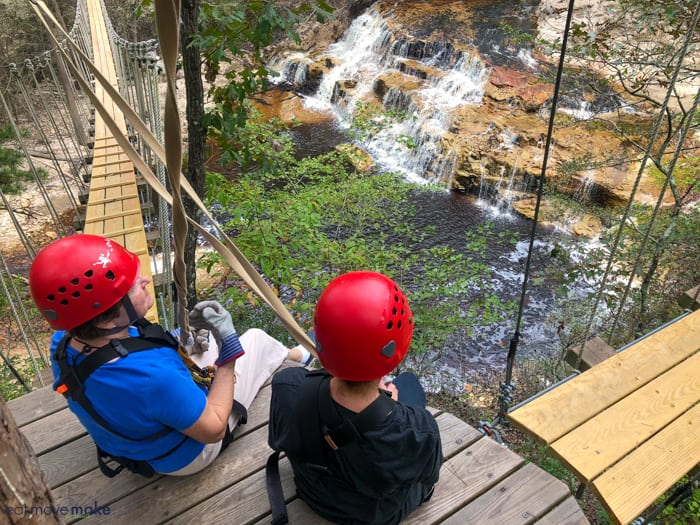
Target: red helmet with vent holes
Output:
{"points": [[76, 278], [362, 325]]}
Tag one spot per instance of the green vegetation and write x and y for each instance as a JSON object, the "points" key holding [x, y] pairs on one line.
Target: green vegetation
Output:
{"points": [[303, 222], [12, 175], [10, 384]]}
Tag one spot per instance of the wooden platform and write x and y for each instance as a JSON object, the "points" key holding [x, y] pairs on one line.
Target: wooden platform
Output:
{"points": [[629, 426], [480, 483]]}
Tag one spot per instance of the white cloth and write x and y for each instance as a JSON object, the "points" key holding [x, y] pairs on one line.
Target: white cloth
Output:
{"points": [[263, 355]]}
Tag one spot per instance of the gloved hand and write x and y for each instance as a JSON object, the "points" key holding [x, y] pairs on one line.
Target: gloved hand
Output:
{"points": [[199, 340], [212, 316]]}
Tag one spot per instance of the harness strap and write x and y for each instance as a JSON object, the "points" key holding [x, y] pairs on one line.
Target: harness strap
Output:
{"points": [[73, 377], [322, 426]]}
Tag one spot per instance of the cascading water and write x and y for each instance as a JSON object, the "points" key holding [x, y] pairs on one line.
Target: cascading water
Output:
{"points": [[368, 55], [426, 82]]}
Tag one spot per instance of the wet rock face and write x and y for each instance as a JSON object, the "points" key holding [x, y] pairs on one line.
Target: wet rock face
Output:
{"points": [[492, 145]]}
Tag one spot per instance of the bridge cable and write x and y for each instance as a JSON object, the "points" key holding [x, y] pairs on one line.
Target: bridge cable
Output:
{"points": [[29, 66], [668, 181], [62, 95], [32, 168]]}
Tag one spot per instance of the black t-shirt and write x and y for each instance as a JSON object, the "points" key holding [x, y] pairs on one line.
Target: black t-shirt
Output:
{"points": [[403, 455]]}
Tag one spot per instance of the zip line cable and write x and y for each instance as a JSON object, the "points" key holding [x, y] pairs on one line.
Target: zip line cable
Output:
{"points": [[505, 396]]}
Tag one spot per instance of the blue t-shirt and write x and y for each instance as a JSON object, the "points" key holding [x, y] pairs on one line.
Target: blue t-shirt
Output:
{"points": [[138, 396]]}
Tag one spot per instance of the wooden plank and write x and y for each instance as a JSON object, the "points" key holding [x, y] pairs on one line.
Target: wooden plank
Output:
{"points": [[554, 414], [465, 477], [590, 354], [110, 199], [70, 461], [567, 513], [94, 488], [258, 413], [455, 434], [300, 514], [690, 299], [604, 439], [633, 484], [172, 495], [53, 431], [519, 499], [245, 502], [123, 213], [122, 161], [35, 405]]}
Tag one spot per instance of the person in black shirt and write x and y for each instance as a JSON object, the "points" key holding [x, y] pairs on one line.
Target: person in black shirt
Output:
{"points": [[363, 450]]}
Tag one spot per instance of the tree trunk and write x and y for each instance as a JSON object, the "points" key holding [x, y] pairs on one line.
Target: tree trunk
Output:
{"points": [[25, 497], [196, 135]]}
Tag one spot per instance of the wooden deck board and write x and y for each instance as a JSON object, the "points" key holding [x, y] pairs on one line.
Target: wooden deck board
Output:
{"points": [[571, 404], [606, 438], [566, 513], [35, 405], [53, 431], [233, 490], [519, 499], [637, 481], [629, 424]]}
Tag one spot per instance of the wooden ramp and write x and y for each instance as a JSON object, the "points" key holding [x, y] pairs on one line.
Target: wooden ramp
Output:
{"points": [[481, 482], [629, 426]]}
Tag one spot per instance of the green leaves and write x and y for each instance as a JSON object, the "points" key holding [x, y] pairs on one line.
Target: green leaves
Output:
{"points": [[13, 175], [302, 222]]}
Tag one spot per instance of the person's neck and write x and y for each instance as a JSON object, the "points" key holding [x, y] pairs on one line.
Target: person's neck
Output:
{"points": [[98, 342], [355, 398]]}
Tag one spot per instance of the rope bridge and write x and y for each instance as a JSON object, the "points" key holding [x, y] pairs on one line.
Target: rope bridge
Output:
{"points": [[121, 80]]}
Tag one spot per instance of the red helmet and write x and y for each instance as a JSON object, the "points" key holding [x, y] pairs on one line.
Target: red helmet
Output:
{"points": [[76, 278], [363, 326]]}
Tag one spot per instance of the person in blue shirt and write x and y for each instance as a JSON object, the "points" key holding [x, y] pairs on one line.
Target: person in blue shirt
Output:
{"points": [[144, 407]]}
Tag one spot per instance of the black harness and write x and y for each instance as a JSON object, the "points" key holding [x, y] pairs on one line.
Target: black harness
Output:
{"points": [[324, 431], [72, 385]]}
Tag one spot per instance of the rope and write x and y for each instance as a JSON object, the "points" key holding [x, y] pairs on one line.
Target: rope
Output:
{"points": [[647, 154], [689, 124], [168, 28], [226, 248], [12, 292], [505, 396], [18, 137]]}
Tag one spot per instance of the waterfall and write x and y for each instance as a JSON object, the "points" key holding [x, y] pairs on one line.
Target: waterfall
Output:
{"points": [[424, 82]]}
